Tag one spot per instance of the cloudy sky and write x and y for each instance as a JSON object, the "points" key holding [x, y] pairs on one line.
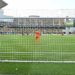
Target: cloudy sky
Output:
{"points": [[36, 7]]}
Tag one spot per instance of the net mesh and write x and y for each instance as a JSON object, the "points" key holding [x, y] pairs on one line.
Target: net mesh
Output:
{"points": [[18, 43]]}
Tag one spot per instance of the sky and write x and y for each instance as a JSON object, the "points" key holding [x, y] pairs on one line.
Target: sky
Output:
{"points": [[23, 8]]}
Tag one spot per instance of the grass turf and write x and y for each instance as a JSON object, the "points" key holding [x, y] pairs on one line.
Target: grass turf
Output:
{"points": [[64, 46]]}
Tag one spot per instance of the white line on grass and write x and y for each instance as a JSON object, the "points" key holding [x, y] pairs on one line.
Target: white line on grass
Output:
{"points": [[37, 52], [52, 43], [31, 61]]}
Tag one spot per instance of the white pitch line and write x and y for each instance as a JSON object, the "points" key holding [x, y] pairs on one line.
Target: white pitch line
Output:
{"points": [[37, 52], [31, 61]]}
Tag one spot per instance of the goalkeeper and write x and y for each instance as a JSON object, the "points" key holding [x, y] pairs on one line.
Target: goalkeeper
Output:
{"points": [[37, 35]]}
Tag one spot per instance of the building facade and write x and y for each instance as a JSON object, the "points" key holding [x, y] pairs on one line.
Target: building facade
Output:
{"points": [[31, 24]]}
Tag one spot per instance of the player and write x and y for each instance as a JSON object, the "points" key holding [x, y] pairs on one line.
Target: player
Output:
{"points": [[37, 35]]}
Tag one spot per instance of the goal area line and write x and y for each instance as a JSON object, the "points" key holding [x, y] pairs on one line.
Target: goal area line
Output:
{"points": [[37, 61]]}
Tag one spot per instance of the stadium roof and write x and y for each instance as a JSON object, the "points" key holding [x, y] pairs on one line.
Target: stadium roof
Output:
{"points": [[2, 4]]}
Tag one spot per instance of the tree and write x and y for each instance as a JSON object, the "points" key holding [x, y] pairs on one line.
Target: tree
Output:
{"points": [[68, 24]]}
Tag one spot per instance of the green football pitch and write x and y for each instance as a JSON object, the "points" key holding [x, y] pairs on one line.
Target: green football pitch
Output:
{"points": [[23, 55]]}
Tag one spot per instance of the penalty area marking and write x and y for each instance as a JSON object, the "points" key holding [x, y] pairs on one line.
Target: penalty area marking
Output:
{"points": [[30, 61]]}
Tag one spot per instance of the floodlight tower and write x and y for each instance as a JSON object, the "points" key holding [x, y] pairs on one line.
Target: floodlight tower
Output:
{"points": [[2, 4]]}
